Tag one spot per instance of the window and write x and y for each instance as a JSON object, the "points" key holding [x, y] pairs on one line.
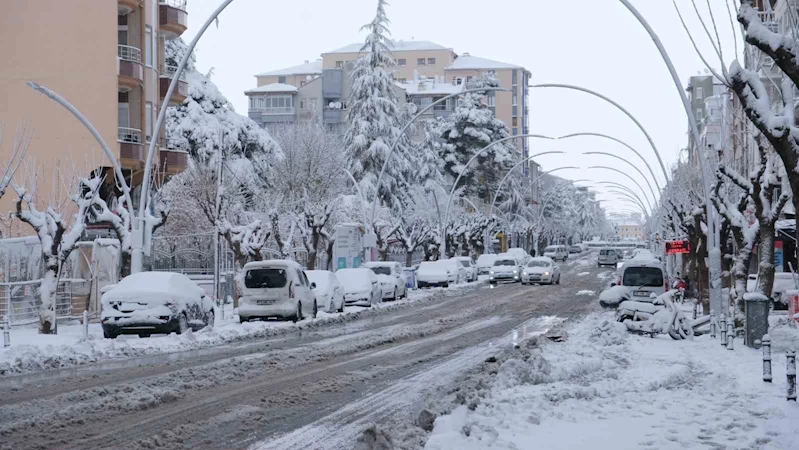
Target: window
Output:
{"points": [[402, 80], [265, 278], [515, 77], [122, 34], [700, 114], [469, 79], [431, 61], [699, 93], [492, 99], [149, 119], [302, 105], [281, 80], [402, 62], [148, 49], [515, 131], [421, 62], [123, 118], [339, 64], [457, 81], [515, 122], [515, 98]]}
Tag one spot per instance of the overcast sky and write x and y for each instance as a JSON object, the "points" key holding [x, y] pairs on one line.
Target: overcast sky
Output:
{"points": [[596, 44]]}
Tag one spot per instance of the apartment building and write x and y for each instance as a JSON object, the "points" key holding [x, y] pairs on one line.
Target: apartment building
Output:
{"points": [[107, 59], [630, 231]]}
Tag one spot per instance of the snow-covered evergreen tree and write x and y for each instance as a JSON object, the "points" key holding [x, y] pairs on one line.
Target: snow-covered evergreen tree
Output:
{"points": [[375, 117], [470, 128]]}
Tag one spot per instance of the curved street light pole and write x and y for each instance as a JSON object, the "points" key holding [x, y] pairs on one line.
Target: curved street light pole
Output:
{"points": [[625, 188], [443, 237], [714, 253], [407, 125], [651, 190], [618, 106], [630, 197], [651, 172], [137, 253], [626, 175]]}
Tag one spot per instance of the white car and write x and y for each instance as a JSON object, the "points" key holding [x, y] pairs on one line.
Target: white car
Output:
{"points": [[520, 254], [328, 291], [484, 262], [469, 266], [506, 268], [439, 273], [155, 302], [541, 270], [557, 252], [277, 289], [644, 277], [361, 287], [391, 278]]}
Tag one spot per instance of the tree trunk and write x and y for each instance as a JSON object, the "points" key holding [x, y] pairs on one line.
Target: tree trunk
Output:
{"points": [[408, 258], [330, 244], [48, 291], [765, 269]]}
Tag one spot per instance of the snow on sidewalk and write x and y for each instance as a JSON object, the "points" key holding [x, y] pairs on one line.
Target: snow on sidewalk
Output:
{"points": [[31, 352], [606, 389]]}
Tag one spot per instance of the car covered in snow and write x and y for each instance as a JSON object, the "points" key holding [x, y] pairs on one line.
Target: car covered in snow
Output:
{"points": [[469, 266], [506, 268], [361, 286], [557, 252], [276, 289], [148, 303], [606, 257], [439, 273], [783, 281], [484, 262], [328, 291], [391, 278], [644, 277], [541, 270], [575, 249], [520, 254]]}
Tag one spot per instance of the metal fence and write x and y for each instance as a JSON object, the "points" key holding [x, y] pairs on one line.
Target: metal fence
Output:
{"points": [[20, 300]]}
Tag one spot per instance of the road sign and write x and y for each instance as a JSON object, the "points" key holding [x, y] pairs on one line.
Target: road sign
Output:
{"points": [[675, 247]]}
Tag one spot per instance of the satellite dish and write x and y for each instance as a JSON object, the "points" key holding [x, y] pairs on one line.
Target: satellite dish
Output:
{"points": [[309, 78], [331, 105]]}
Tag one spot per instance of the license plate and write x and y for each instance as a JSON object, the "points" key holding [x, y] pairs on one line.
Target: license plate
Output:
{"points": [[641, 294], [265, 302]]}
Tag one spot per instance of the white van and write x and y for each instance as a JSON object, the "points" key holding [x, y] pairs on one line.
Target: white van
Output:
{"points": [[557, 252], [607, 257], [644, 278], [276, 289]]}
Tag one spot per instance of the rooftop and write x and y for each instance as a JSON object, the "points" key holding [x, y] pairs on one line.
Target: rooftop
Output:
{"points": [[314, 67], [274, 87], [398, 46], [467, 61]]}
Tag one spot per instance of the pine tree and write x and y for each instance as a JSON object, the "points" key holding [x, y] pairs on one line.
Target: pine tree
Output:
{"points": [[375, 117], [467, 131]]}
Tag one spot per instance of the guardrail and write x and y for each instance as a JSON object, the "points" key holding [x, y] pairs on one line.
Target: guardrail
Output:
{"points": [[129, 53]]}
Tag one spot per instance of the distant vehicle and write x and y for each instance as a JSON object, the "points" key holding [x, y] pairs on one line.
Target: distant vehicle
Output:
{"points": [[276, 289], [541, 270], [469, 266], [783, 281], [439, 273], [506, 268], [391, 278], [557, 252], [155, 302], [644, 278], [484, 262], [575, 249], [361, 286], [606, 257], [328, 291], [520, 254]]}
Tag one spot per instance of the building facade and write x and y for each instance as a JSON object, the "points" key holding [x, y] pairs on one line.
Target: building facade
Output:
{"points": [[107, 59]]}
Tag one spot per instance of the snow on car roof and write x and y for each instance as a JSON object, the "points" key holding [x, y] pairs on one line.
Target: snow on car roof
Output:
{"points": [[542, 258], [380, 264], [272, 263]]}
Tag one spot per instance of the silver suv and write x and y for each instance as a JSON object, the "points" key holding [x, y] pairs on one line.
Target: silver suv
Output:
{"points": [[607, 257]]}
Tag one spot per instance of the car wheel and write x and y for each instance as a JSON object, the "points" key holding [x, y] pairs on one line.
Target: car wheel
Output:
{"points": [[315, 310], [396, 295], [297, 315], [341, 310], [144, 335], [243, 319], [210, 320], [183, 324], [109, 335]]}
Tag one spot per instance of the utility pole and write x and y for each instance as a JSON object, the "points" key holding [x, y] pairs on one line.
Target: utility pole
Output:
{"points": [[217, 253]]}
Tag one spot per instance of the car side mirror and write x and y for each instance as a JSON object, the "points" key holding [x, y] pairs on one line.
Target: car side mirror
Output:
{"points": [[612, 284], [313, 285]]}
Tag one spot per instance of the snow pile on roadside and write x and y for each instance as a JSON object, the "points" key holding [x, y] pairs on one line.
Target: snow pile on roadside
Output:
{"points": [[604, 385], [586, 292], [31, 352], [582, 274], [784, 334]]}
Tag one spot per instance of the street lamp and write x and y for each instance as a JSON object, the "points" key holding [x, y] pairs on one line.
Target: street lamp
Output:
{"points": [[651, 191], [625, 188], [630, 197], [626, 175], [524, 160]]}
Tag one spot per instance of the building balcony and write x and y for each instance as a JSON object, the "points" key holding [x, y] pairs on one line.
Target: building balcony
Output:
{"points": [[172, 18], [130, 70], [181, 89], [172, 159], [126, 6], [131, 147]]}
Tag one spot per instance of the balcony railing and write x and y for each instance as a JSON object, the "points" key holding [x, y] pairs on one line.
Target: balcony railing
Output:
{"points": [[129, 53], [278, 110], [129, 135], [768, 19], [179, 4], [169, 72]]}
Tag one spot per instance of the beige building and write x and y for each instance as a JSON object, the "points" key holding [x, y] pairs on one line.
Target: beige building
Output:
{"points": [[630, 231], [107, 59]]}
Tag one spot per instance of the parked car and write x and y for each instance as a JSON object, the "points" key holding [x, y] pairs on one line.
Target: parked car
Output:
{"points": [[328, 291], [520, 254], [155, 302], [575, 249], [391, 279], [361, 286], [783, 281], [455, 269], [276, 289], [644, 278], [484, 262], [506, 268], [557, 252], [432, 274], [541, 270], [469, 266], [606, 257]]}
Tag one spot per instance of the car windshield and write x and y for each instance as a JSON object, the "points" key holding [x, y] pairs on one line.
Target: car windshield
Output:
{"points": [[465, 263], [266, 278], [643, 276], [538, 264], [607, 252], [505, 262], [551, 249], [381, 270]]}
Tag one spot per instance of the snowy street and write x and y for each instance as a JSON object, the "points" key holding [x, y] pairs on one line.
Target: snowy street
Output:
{"points": [[316, 388]]}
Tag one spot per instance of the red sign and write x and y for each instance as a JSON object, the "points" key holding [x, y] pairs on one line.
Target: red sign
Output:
{"points": [[793, 307], [674, 247]]}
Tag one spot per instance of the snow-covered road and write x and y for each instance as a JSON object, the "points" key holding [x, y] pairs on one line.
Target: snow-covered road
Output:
{"points": [[315, 387]]}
